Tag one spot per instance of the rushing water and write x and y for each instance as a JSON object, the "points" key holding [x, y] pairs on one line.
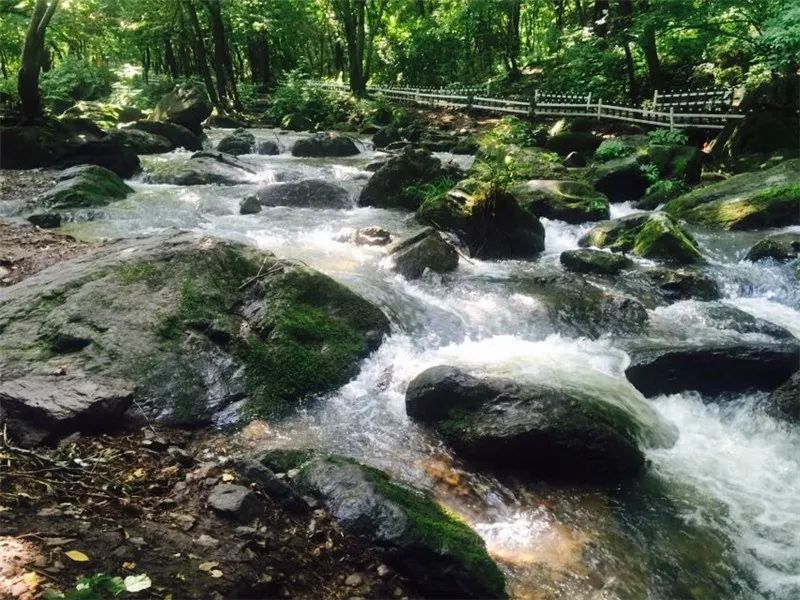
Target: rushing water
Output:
{"points": [[718, 514]]}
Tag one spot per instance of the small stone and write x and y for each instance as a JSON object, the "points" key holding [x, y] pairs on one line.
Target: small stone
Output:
{"points": [[235, 502], [137, 541], [250, 206], [180, 456], [354, 580], [383, 570], [207, 541]]}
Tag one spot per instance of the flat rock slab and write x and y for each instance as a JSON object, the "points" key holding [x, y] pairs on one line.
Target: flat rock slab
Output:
{"points": [[235, 502]]}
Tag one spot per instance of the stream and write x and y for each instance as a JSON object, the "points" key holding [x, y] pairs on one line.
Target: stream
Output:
{"points": [[717, 516]]}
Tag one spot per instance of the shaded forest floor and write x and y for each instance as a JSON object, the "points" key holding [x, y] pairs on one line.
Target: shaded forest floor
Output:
{"points": [[135, 504]]}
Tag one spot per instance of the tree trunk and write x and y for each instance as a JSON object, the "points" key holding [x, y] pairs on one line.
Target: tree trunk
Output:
{"points": [[200, 53], [33, 54], [514, 9], [648, 43], [169, 59], [223, 64]]}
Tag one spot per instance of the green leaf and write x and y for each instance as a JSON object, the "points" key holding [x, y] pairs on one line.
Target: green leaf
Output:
{"points": [[137, 583]]}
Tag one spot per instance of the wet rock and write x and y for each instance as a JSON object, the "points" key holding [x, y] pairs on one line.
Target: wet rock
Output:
{"points": [[239, 142], [84, 186], [440, 554], [235, 502], [387, 188], [202, 168], [398, 146], [620, 179], [649, 235], [367, 236], [275, 488], [186, 105], [683, 284], [55, 144], [586, 260], [269, 148], [489, 221], [569, 201], [178, 136], [142, 142], [784, 402], [536, 429], [744, 354], [41, 408], [226, 122], [307, 193], [385, 136], [465, 145], [195, 324], [780, 246], [250, 206], [129, 114], [325, 144], [573, 141], [755, 200], [376, 164], [425, 250], [575, 160], [46, 220]]}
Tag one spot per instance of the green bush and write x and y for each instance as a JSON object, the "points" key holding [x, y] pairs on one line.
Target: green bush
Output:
{"points": [[513, 130], [650, 171], [297, 105], [667, 188], [72, 80], [675, 137], [611, 149]]}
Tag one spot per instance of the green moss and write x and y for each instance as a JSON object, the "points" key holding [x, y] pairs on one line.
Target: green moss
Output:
{"points": [[283, 460], [430, 526], [90, 186], [772, 207], [148, 273], [435, 190]]}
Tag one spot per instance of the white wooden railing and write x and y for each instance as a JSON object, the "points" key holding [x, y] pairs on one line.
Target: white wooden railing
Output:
{"points": [[676, 110]]}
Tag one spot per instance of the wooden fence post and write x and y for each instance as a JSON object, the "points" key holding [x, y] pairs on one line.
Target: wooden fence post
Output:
{"points": [[588, 102], [655, 100], [599, 107], [671, 118]]}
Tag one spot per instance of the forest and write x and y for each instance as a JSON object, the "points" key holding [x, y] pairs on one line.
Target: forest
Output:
{"points": [[390, 299]]}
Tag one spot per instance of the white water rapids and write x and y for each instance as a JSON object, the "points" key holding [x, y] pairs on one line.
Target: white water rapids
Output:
{"points": [[717, 516]]}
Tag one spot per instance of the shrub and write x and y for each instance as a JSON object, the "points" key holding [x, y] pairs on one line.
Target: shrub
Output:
{"points": [[513, 130], [72, 80], [611, 149], [667, 189], [297, 105], [667, 137], [650, 171]]}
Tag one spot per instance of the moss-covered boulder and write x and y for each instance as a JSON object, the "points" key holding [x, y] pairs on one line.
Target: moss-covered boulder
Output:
{"points": [[488, 220], [780, 246], [101, 113], [573, 141], [84, 186], [422, 540], [762, 199], [202, 168], [589, 260], [683, 284], [142, 142], [515, 163], [306, 193], [385, 136], [238, 142], [425, 250], [649, 235], [570, 201], [186, 105], [397, 182], [538, 429], [325, 144], [203, 330], [178, 136]]}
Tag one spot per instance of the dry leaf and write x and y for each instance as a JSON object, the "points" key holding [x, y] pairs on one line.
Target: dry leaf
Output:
{"points": [[180, 576], [76, 555], [137, 583], [216, 573], [207, 566], [129, 566], [32, 579], [226, 477], [138, 473]]}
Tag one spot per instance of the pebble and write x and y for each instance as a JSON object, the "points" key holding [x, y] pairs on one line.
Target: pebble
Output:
{"points": [[180, 456], [354, 580]]}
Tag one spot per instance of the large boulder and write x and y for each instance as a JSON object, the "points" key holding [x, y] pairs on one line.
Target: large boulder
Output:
{"points": [[306, 193], [186, 105], [389, 185], [268, 148], [676, 284], [142, 142], [569, 201], [325, 144], [411, 531], [425, 250], [755, 200], [784, 402], [649, 235], [573, 141], [385, 136], [238, 142], [589, 260], [202, 168], [58, 145], [537, 429], [739, 353], [178, 136], [84, 186], [779, 246], [192, 324], [488, 220]]}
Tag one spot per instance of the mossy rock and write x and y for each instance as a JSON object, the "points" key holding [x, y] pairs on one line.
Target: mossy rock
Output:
{"points": [[573, 141], [84, 186], [780, 247], [588, 260], [656, 236], [570, 201], [195, 324], [757, 200], [488, 220], [514, 163], [426, 250], [395, 183], [237, 143], [423, 541]]}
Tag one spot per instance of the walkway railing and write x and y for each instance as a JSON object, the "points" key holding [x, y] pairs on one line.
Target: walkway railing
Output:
{"points": [[679, 110]]}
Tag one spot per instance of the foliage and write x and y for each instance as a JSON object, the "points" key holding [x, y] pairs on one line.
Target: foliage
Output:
{"points": [[667, 189], [296, 105], [73, 80], [429, 191], [667, 137], [650, 171], [611, 149], [94, 587]]}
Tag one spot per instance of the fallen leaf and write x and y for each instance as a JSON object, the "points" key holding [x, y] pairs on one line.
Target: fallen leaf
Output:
{"points": [[137, 583], [226, 477], [180, 576], [32, 579], [138, 473], [76, 555], [129, 566], [168, 597], [207, 566], [216, 573]]}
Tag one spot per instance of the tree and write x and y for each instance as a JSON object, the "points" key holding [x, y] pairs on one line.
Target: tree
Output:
{"points": [[33, 56], [360, 21]]}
